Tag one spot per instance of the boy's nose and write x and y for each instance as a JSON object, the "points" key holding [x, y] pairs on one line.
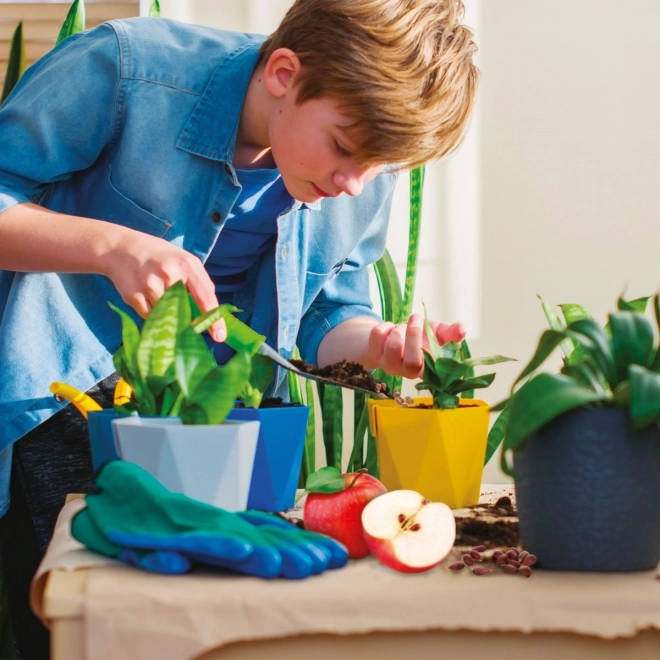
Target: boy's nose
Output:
{"points": [[351, 181]]}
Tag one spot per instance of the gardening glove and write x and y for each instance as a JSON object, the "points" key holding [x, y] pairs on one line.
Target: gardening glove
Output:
{"points": [[136, 519]]}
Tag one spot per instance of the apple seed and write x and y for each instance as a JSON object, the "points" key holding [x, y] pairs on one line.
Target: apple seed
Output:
{"points": [[480, 548], [416, 527], [480, 570], [475, 555], [468, 560], [502, 560], [522, 555], [509, 569], [530, 560], [525, 571], [458, 566], [514, 562]]}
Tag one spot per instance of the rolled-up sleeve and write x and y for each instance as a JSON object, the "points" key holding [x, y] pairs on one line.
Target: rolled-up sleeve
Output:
{"points": [[60, 116], [346, 295]]}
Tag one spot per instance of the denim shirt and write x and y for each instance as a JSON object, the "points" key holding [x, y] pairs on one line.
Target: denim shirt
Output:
{"points": [[135, 122]]}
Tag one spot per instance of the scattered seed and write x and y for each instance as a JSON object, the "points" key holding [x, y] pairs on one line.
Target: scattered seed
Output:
{"points": [[522, 555], [497, 554], [468, 560], [409, 399], [458, 566], [377, 387], [509, 569], [475, 555], [514, 562], [480, 570], [502, 560], [525, 571], [530, 560], [512, 553], [480, 548], [382, 396]]}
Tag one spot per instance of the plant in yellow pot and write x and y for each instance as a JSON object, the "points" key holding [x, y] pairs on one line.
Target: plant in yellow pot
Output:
{"points": [[437, 445]]}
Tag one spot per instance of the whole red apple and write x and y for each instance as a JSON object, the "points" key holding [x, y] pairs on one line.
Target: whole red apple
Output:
{"points": [[339, 514]]}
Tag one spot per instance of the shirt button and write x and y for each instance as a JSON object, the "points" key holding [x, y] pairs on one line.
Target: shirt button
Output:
{"points": [[216, 216], [284, 252], [227, 169]]}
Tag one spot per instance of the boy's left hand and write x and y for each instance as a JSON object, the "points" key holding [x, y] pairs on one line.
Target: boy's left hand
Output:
{"points": [[398, 349]]}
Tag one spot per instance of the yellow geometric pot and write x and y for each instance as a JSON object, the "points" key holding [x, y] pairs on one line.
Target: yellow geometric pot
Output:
{"points": [[438, 453]]}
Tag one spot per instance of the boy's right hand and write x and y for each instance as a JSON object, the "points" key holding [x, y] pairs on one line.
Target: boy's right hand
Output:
{"points": [[142, 267]]}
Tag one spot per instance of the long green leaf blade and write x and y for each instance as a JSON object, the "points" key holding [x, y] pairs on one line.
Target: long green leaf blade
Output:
{"points": [[154, 10], [74, 21], [556, 323], [16, 63], [637, 305], [597, 346], [193, 360], [391, 302], [496, 434], [549, 340], [414, 232], [332, 413], [573, 312]]}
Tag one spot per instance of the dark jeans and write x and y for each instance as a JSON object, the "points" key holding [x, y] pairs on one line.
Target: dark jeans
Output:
{"points": [[49, 462]]}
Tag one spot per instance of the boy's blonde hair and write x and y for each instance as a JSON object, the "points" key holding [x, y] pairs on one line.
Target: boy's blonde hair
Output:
{"points": [[402, 68]]}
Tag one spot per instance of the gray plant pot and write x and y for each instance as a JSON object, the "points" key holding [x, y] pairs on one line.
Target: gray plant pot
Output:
{"points": [[588, 492]]}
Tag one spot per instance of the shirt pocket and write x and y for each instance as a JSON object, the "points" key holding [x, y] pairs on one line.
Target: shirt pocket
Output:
{"points": [[314, 282], [121, 210]]}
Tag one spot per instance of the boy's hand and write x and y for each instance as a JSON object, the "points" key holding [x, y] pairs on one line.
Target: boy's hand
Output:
{"points": [[398, 349], [142, 267]]}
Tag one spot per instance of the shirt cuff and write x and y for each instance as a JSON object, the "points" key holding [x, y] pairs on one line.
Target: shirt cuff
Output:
{"points": [[9, 198], [317, 324]]}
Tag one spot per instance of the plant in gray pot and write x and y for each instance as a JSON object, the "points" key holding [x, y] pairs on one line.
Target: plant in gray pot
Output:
{"points": [[583, 445]]}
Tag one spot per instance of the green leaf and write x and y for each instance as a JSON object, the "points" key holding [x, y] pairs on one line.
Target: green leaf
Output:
{"points": [[74, 21], [592, 339], [494, 359], [464, 355], [193, 360], [262, 373], [539, 401], [326, 480], [216, 395], [241, 337], [332, 413], [169, 316], [573, 312], [632, 341], [154, 10], [476, 383], [644, 396], [416, 193], [557, 324], [130, 336], [637, 305], [361, 423], [202, 322], [309, 450], [434, 346], [496, 434], [16, 63], [391, 302], [549, 340]]}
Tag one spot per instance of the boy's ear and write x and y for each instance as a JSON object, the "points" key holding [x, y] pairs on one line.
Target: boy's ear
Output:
{"points": [[280, 71]]}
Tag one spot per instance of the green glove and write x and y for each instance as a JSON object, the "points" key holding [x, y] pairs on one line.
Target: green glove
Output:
{"points": [[133, 517]]}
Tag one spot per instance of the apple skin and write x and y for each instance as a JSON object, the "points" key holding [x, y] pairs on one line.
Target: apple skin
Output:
{"points": [[339, 515], [383, 550]]}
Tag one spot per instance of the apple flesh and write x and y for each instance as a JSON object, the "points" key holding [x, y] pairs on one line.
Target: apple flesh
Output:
{"points": [[339, 515], [406, 532]]}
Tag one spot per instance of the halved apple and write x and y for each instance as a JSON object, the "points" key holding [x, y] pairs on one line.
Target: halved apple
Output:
{"points": [[406, 532]]}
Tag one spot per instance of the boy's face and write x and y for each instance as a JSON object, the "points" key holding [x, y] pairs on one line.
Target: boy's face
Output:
{"points": [[313, 150]]}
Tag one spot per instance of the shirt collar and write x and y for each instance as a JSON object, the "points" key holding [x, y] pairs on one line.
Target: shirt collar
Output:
{"points": [[212, 127]]}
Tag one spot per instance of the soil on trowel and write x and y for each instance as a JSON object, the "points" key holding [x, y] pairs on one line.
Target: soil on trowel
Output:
{"points": [[493, 525], [351, 373]]}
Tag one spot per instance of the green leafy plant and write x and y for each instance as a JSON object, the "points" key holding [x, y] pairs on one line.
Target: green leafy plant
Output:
{"points": [[154, 10], [172, 371], [448, 372], [74, 21], [617, 365], [16, 63]]}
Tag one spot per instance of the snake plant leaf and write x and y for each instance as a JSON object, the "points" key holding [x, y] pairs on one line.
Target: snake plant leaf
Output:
{"points": [[476, 383], [644, 396], [573, 312], [193, 360], [202, 322], [309, 450], [216, 394], [585, 373], [130, 337], [496, 434], [632, 341], [169, 316], [74, 21], [356, 461], [154, 10], [389, 288], [464, 355], [16, 63], [328, 479], [332, 408], [637, 305], [539, 401], [414, 232], [262, 373], [593, 341]]}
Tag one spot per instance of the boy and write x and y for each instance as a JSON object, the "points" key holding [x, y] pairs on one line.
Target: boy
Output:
{"points": [[145, 152]]}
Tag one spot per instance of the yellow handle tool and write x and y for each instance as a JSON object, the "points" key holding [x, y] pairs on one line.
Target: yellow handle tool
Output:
{"points": [[123, 392], [80, 400]]}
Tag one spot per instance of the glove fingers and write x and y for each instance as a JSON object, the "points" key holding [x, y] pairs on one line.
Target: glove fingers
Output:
{"points": [[234, 549], [170, 563], [296, 563], [258, 518], [338, 552], [264, 562]]}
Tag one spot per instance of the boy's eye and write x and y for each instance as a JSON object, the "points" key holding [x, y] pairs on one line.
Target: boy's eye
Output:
{"points": [[341, 150]]}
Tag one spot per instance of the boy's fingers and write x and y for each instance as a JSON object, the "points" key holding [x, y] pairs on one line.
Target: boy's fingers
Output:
{"points": [[412, 351], [446, 332], [377, 338], [202, 290]]}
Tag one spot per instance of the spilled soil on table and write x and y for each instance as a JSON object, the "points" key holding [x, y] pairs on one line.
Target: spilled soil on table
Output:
{"points": [[493, 525]]}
